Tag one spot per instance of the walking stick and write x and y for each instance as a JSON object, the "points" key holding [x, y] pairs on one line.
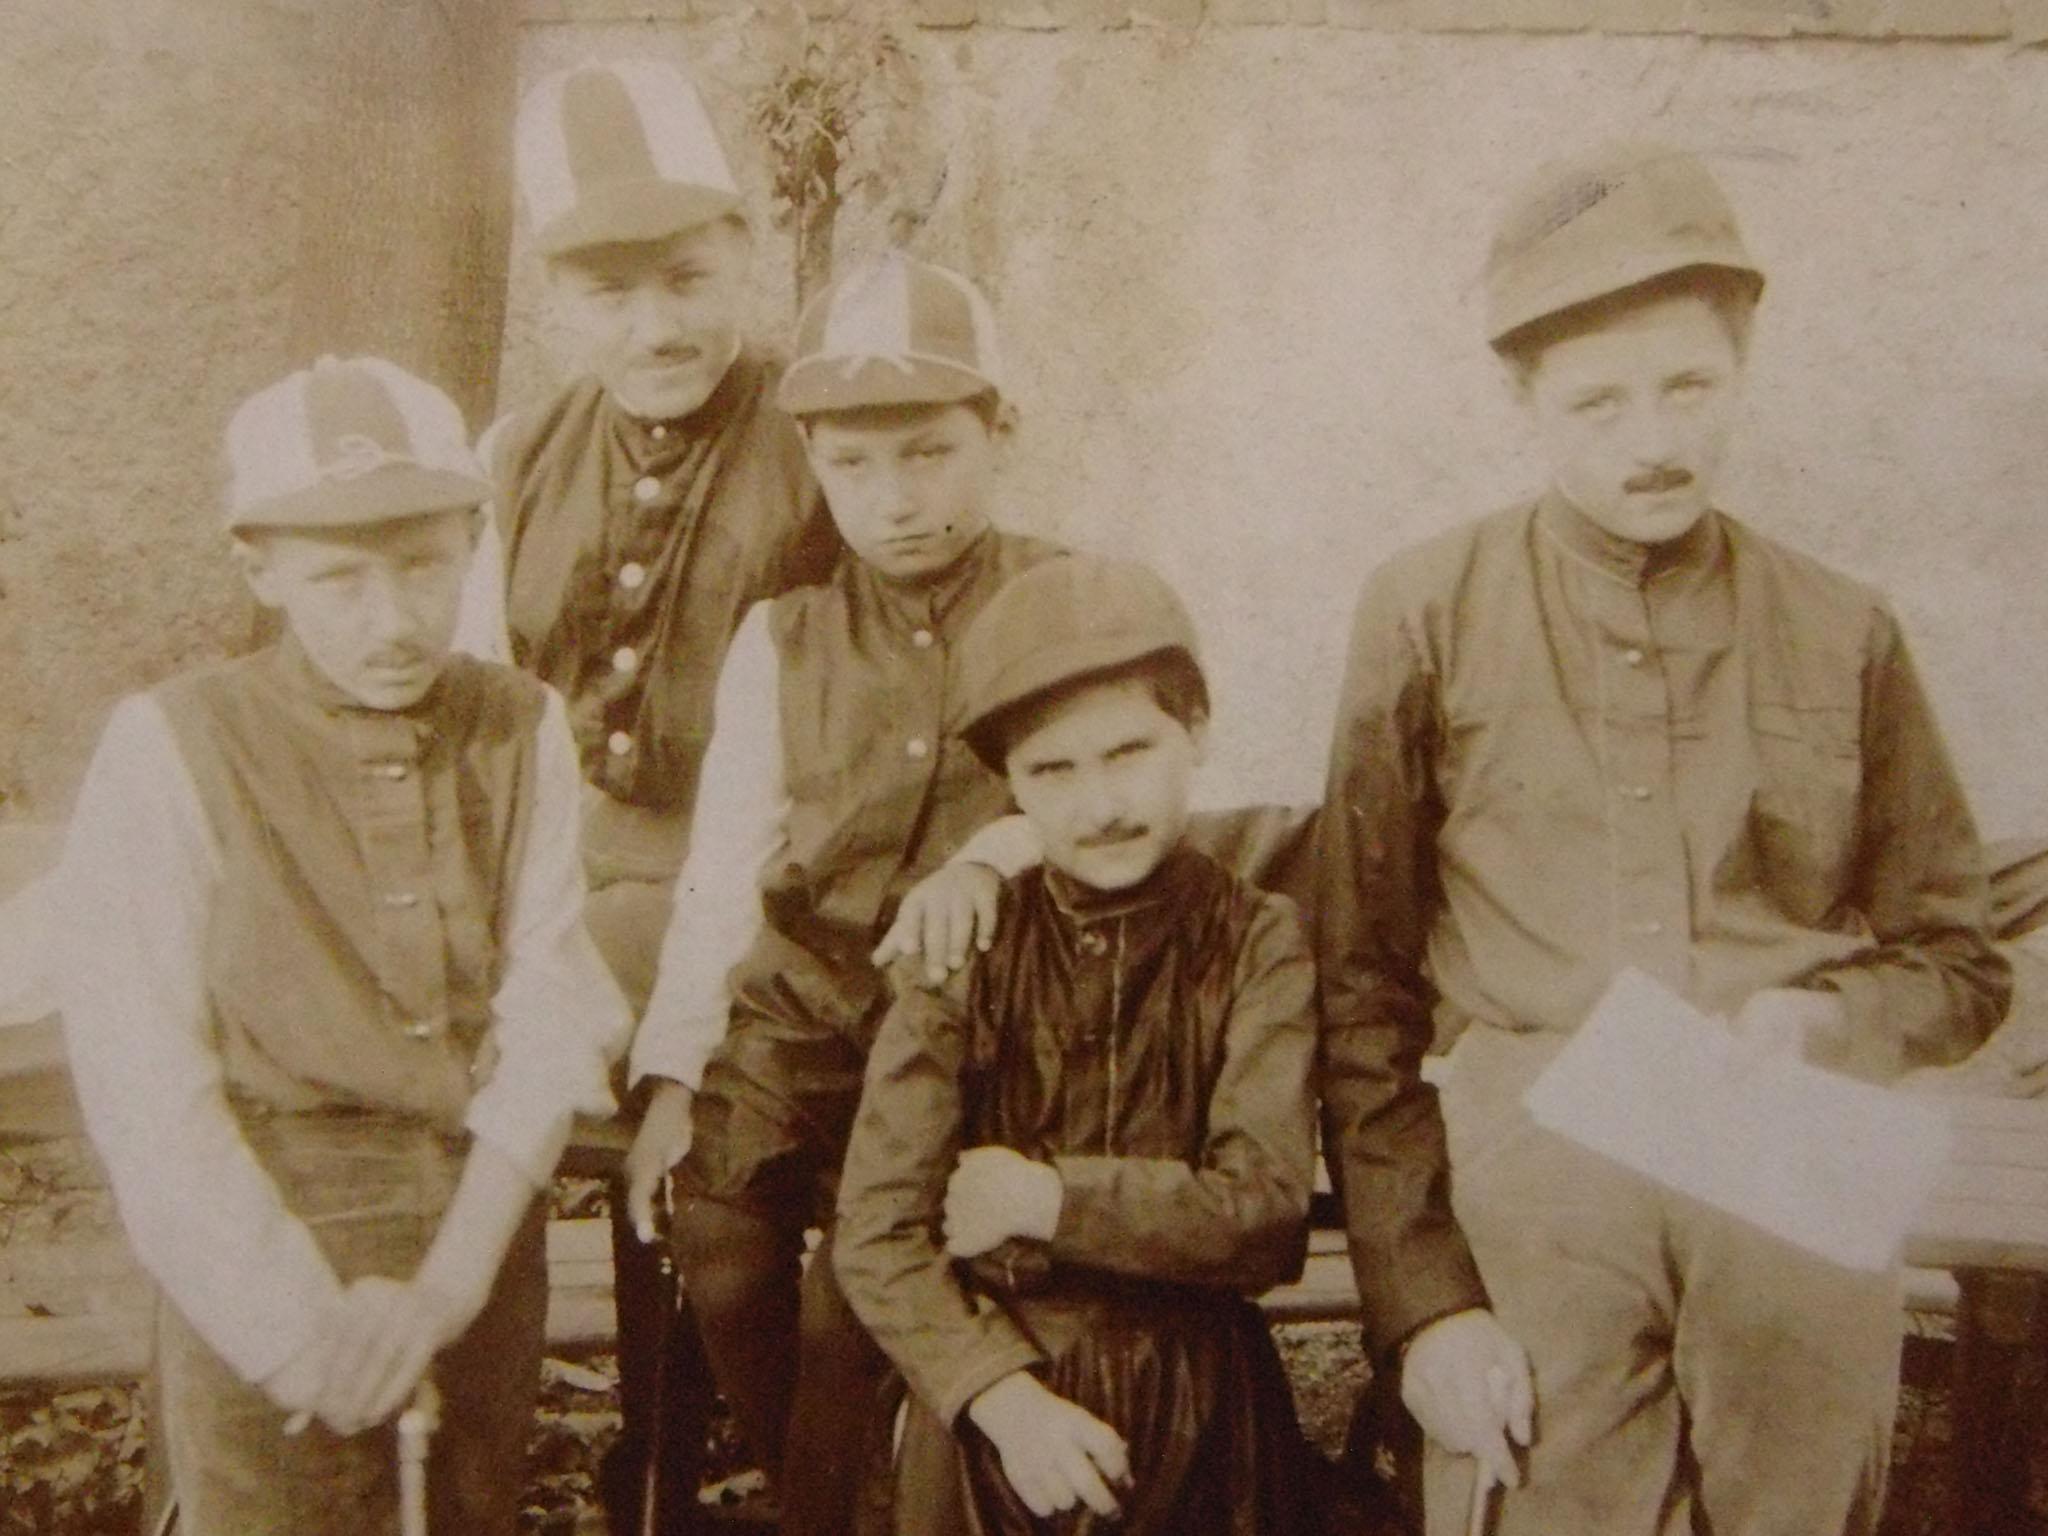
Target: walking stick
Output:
{"points": [[657, 1420], [416, 1428], [1482, 1501]]}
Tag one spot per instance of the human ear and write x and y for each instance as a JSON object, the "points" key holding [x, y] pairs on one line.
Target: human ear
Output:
{"points": [[252, 559]]}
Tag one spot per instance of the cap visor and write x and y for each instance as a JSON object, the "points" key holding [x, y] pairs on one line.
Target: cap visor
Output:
{"points": [[1585, 286], [383, 496], [633, 213], [817, 384]]}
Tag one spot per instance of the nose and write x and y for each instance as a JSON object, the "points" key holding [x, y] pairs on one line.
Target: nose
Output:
{"points": [[1099, 800], [1652, 434], [388, 612], [895, 500], [658, 317]]}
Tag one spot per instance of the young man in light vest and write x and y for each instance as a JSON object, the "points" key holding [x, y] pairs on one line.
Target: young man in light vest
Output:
{"points": [[327, 992], [1615, 727], [836, 777], [639, 513]]}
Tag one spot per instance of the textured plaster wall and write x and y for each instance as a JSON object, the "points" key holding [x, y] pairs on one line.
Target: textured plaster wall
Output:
{"points": [[195, 197], [1235, 263]]}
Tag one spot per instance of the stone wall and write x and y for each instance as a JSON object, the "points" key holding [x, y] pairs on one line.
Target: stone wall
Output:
{"points": [[1235, 266], [1232, 243], [197, 196]]}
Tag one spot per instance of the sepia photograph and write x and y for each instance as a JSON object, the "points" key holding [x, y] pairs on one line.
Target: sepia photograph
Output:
{"points": [[1023, 767]]}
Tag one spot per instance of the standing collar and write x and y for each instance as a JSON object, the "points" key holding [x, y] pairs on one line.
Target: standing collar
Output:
{"points": [[302, 680], [648, 441], [1699, 548], [1167, 885], [930, 601]]}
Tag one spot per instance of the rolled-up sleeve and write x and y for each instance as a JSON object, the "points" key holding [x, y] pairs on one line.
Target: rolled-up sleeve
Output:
{"points": [[134, 895], [1383, 1130], [1238, 1217], [896, 1275], [1933, 985], [559, 1018]]}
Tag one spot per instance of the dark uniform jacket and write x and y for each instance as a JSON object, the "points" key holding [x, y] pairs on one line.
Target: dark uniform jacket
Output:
{"points": [[1558, 755], [1154, 1046], [632, 551]]}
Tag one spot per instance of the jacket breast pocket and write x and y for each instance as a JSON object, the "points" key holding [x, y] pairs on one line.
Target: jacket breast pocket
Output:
{"points": [[1808, 794]]}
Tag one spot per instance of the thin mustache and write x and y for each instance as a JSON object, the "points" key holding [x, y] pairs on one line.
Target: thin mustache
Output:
{"points": [[1658, 480], [1109, 837]]}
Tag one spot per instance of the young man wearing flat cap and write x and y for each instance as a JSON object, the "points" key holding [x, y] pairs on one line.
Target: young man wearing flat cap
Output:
{"points": [[327, 992], [639, 514], [1615, 727]]}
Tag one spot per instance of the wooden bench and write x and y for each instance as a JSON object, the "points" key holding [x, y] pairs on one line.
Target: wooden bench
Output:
{"points": [[77, 1309]]}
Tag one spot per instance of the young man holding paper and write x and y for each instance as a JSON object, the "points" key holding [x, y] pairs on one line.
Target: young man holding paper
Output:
{"points": [[1610, 729]]}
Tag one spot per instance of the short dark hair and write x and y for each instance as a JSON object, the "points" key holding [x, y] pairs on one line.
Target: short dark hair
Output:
{"points": [[1171, 676], [1731, 294]]}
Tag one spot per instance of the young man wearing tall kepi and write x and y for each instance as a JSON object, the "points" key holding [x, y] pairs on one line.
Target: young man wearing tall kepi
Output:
{"points": [[639, 513]]}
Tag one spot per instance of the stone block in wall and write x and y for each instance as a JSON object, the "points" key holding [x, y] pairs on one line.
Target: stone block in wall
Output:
{"points": [[2030, 21], [1947, 18], [592, 11], [947, 13], [1055, 15], [1763, 18], [1268, 13], [1464, 15], [1639, 15], [1167, 13]]}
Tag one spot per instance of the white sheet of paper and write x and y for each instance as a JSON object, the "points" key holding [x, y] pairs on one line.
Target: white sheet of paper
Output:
{"points": [[1834, 1166]]}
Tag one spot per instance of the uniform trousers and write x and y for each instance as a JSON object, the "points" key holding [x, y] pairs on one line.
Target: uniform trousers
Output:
{"points": [[810, 1388], [372, 1189], [1693, 1373], [665, 1388]]}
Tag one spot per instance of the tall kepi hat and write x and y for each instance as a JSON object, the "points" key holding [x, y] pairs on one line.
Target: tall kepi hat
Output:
{"points": [[617, 152], [1603, 222], [344, 443], [893, 332]]}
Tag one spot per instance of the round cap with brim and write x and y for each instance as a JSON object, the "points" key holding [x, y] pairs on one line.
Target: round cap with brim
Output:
{"points": [[1069, 618], [1603, 223], [347, 443], [618, 153], [892, 332]]}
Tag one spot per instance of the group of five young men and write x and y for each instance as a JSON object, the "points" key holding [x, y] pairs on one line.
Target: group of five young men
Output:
{"points": [[882, 813]]}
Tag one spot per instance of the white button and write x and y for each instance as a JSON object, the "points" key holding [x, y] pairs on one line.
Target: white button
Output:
{"points": [[922, 639], [917, 747], [646, 488], [625, 659], [1636, 791], [401, 899], [660, 433], [392, 771], [1632, 656], [631, 574], [420, 1029], [619, 744], [1093, 943]]}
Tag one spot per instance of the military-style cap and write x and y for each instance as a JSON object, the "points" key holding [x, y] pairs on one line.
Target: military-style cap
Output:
{"points": [[609, 153], [344, 443], [892, 332], [1588, 227], [1065, 619]]}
